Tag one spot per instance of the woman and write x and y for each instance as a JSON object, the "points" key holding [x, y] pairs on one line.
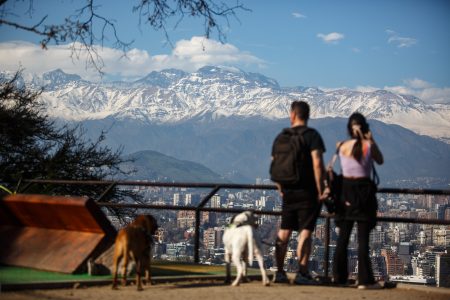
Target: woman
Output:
{"points": [[358, 200]]}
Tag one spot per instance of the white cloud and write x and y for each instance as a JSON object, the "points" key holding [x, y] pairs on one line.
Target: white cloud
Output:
{"points": [[423, 90], [298, 15], [419, 88], [366, 88], [187, 55], [400, 42], [435, 95], [417, 83], [331, 38], [356, 50]]}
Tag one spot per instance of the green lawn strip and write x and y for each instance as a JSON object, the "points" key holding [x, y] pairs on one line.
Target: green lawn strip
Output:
{"points": [[25, 275], [10, 274]]}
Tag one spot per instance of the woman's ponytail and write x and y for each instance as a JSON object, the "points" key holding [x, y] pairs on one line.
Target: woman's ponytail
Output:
{"points": [[357, 148], [357, 126]]}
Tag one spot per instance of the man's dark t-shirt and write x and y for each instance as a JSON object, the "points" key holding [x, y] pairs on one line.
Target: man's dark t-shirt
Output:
{"points": [[312, 141]]}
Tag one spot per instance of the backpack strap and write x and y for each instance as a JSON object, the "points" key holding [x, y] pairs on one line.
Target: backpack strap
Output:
{"points": [[298, 133]]}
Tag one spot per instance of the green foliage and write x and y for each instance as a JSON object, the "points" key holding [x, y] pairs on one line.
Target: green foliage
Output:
{"points": [[33, 147]]}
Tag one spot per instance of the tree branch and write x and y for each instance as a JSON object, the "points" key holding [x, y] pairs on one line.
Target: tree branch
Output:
{"points": [[81, 29]]}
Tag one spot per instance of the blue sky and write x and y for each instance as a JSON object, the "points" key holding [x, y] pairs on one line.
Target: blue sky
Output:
{"points": [[401, 45]]}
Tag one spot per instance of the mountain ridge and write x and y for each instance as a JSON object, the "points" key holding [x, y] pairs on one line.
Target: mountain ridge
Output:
{"points": [[152, 165], [226, 119], [174, 96]]}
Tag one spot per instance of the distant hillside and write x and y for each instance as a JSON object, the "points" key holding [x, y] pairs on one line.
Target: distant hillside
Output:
{"points": [[152, 165], [239, 149]]}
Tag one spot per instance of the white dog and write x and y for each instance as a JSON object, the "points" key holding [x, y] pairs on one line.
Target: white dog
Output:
{"points": [[240, 238]]}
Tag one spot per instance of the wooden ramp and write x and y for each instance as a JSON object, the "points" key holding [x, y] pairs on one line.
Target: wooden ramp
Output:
{"points": [[52, 233]]}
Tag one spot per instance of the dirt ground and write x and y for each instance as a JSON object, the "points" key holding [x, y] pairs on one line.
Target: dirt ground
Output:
{"points": [[216, 290]]}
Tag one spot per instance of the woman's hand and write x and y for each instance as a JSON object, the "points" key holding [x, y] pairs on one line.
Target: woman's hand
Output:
{"points": [[369, 136], [280, 190], [357, 131], [325, 194]]}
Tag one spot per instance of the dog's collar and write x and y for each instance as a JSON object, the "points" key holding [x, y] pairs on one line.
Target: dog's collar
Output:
{"points": [[233, 225]]}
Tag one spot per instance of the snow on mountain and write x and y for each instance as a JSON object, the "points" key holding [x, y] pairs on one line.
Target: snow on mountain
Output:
{"points": [[172, 96]]}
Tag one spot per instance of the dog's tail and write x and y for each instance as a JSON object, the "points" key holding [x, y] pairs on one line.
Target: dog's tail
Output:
{"points": [[250, 244]]}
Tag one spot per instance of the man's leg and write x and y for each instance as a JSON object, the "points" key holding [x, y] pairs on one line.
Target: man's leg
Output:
{"points": [[304, 250], [280, 253], [281, 247]]}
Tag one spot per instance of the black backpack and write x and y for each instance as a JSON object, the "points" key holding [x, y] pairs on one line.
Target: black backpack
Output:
{"points": [[288, 156]]}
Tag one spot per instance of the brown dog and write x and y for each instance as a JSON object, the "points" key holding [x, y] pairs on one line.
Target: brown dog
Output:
{"points": [[135, 241]]}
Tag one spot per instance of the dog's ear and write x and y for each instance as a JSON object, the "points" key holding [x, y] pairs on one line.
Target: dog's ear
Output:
{"points": [[253, 220], [152, 225], [155, 225]]}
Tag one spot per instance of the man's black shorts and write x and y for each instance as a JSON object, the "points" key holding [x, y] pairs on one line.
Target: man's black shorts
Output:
{"points": [[300, 210]]}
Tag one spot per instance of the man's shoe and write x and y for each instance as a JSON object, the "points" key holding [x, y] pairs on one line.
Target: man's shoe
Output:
{"points": [[304, 279], [280, 277], [373, 286], [390, 285]]}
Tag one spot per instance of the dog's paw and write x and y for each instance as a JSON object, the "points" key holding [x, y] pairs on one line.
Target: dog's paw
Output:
{"points": [[235, 283]]}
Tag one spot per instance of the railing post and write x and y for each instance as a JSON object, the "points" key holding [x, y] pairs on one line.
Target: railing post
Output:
{"points": [[25, 188], [197, 223], [327, 246], [197, 237], [105, 192]]}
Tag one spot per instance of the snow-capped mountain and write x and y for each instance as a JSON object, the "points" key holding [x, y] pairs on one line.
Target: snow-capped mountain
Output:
{"points": [[172, 96], [226, 119]]}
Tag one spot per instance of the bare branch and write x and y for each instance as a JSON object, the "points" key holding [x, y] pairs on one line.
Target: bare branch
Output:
{"points": [[157, 12], [87, 27]]}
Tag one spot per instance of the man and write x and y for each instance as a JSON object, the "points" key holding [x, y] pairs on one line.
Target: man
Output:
{"points": [[301, 202]]}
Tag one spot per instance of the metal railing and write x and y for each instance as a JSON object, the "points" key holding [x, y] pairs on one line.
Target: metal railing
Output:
{"points": [[215, 187]]}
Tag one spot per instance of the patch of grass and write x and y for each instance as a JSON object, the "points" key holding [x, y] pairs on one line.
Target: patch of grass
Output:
{"points": [[10, 274], [24, 275]]}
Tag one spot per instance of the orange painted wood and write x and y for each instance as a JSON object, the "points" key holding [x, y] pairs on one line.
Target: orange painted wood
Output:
{"points": [[52, 232]]}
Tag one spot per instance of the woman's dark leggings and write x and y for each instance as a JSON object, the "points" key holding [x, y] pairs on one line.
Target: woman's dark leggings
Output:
{"points": [[340, 268]]}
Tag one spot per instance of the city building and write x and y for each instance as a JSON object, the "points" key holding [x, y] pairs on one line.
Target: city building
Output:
{"points": [[394, 265], [209, 238], [378, 236], [179, 251], [216, 201], [441, 236], [185, 218], [405, 250], [176, 199], [191, 199], [443, 270]]}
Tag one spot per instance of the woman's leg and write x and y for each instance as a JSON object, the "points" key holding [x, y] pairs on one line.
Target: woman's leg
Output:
{"points": [[340, 268], [365, 272]]}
